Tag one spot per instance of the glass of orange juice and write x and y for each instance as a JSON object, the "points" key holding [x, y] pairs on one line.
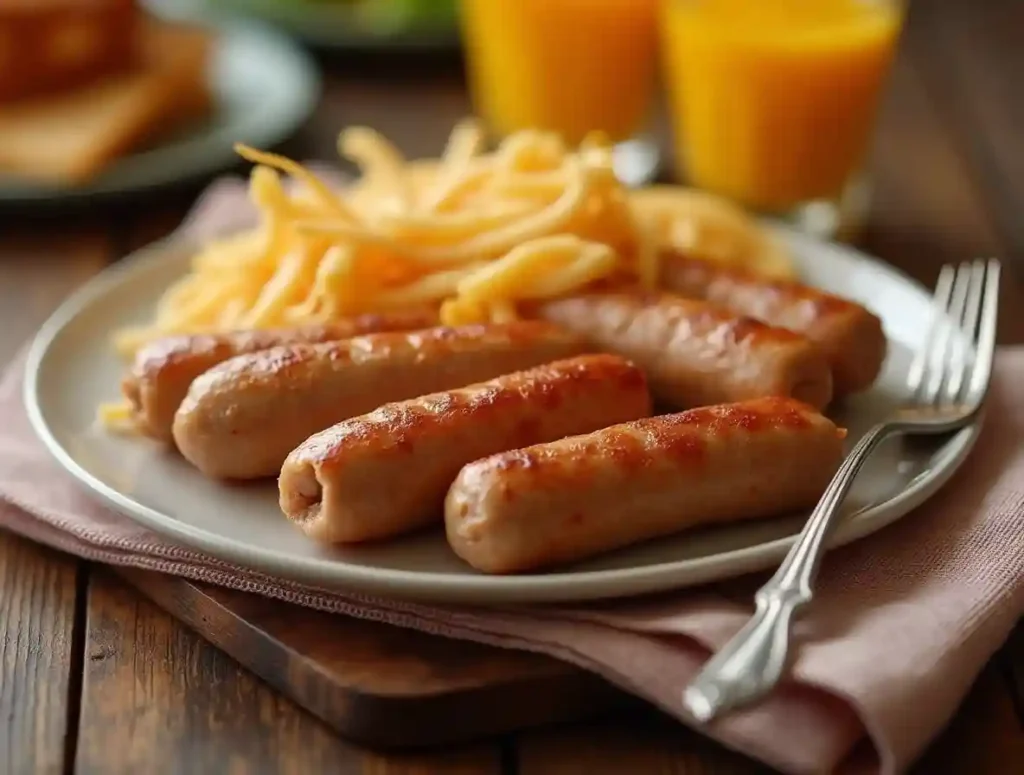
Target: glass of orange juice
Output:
{"points": [[567, 66], [774, 101]]}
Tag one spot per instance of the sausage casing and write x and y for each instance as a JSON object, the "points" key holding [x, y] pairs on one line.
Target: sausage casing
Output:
{"points": [[163, 370], [852, 337], [580, 496], [387, 472], [241, 418], [696, 353]]}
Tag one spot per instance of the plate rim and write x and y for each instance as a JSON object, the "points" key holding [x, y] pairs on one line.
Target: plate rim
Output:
{"points": [[556, 586]]}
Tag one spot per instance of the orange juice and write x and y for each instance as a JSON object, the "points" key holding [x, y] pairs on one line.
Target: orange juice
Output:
{"points": [[569, 66], [774, 100]]}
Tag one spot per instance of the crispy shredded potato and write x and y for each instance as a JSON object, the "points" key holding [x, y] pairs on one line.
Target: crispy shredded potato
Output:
{"points": [[475, 233]]}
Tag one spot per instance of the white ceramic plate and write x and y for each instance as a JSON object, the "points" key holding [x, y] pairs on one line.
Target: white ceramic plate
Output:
{"points": [[242, 524], [264, 87]]}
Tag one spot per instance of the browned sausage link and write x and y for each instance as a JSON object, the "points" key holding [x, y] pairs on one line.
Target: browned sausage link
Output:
{"points": [[241, 418], [696, 353], [851, 336], [387, 472], [163, 369], [580, 496]]}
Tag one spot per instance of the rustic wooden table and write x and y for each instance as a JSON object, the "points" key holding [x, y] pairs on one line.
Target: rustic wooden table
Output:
{"points": [[949, 175]]}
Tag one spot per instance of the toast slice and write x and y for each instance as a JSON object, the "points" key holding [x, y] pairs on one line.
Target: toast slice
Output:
{"points": [[53, 45], [69, 138]]}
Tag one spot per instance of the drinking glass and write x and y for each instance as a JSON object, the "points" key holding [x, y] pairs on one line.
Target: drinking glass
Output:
{"points": [[773, 102], [567, 66]]}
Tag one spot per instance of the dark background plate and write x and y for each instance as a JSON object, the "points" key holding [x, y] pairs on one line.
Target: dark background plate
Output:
{"points": [[337, 26]]}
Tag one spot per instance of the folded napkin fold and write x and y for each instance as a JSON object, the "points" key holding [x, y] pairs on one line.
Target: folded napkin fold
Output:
{"points": [[903, 621]]}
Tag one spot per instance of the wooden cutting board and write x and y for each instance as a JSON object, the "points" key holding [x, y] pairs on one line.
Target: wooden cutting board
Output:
{"points": [[379, 685]]}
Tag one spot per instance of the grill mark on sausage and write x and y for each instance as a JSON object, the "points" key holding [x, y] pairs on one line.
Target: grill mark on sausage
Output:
{"points": [[688, 318], [720, 284], [682, 437], [399, 424], [169, 351]]}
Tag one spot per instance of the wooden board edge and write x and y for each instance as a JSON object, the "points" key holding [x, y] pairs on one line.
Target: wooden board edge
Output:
{"points": [[380, 721]]}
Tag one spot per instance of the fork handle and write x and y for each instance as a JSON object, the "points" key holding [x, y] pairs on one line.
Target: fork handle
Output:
{"points": [[752, 662]]}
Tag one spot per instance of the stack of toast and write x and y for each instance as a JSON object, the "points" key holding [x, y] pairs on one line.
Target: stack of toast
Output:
{"points": [[84, 82]]}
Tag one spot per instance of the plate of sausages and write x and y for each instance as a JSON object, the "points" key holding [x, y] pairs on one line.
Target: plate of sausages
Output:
{"points": [[610, 443]]}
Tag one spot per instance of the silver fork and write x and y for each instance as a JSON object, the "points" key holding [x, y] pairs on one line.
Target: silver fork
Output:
{"points": [[946, 386]]}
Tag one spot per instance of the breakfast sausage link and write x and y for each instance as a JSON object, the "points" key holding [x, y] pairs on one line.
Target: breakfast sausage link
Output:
{"points": [[241, 418], [163, 369], [851, 336], [696, 353], [387, 472], [577, 497]]}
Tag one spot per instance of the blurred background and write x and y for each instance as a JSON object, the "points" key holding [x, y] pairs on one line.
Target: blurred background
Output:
{"points": [[357, 25], [773, 104]]}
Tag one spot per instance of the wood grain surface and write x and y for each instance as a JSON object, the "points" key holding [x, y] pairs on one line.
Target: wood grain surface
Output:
{"points": [[377, 684], [973, 63], [95, 678], [156, 698], [39, 660], [40, 602]]}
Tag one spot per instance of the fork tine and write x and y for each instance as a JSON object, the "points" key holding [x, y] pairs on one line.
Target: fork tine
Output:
{"points": [[966, 281], [938, 366], [940, 300], [986, 342]]}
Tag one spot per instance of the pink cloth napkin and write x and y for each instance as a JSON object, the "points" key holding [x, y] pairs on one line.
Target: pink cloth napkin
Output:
{"points": [[903, 622]]}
